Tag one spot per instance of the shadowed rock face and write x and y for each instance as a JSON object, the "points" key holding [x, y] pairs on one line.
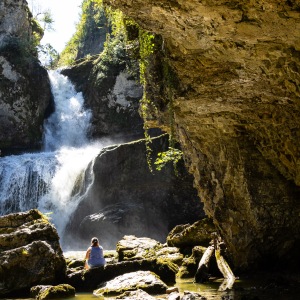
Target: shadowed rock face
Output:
{"points": [[237, 114], [25, 95], [127, 199]]}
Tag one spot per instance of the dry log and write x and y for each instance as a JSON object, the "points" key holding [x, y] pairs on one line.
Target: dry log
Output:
{"points": [[202, 274], [225, 270]]}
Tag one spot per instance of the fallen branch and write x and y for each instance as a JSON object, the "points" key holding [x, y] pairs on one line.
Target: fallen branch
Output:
{"points": [[225, 270], [202, 273]]}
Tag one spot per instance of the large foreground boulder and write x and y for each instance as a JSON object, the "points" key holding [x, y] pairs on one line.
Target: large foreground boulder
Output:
{"points": [[144, 280], [30, 252]]}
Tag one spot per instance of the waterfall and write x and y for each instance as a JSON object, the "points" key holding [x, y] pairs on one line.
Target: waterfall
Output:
{"points": [[68, 125], [52, 180]]}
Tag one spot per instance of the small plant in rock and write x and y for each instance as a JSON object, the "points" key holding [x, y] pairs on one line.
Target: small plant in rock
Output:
{"points": [[171, 155]]}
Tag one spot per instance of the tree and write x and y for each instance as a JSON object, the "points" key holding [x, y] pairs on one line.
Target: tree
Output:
{"points": [[48, 56]]}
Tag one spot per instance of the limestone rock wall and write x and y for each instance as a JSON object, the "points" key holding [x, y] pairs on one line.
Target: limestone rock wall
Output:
{"points": [[237, 113], [25, 94]]}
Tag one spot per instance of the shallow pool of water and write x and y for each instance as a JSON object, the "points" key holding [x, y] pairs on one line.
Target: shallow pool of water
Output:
{"points": [[260, 287], [243, 289]]}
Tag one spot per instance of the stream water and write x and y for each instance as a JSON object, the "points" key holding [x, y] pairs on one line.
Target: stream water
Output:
{"points": [[255, 288]]}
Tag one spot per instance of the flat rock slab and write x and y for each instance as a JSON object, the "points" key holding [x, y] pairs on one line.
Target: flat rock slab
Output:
{"points": [[144, 280]]}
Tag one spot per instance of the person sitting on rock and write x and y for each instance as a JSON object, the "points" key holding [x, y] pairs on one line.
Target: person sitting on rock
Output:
{"points": [[94, 255]]}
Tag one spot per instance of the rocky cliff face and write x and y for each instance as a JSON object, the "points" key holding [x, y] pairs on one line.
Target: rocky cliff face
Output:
{"points": [[236, 113], [25, 92], [126, 198], [110, 90]]}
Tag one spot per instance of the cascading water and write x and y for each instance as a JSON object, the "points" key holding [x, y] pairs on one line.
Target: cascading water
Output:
{"points": [[51, 180]]}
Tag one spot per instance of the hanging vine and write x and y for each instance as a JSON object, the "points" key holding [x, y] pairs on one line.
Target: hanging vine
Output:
{"points": [[173, 154], [146, 42]]}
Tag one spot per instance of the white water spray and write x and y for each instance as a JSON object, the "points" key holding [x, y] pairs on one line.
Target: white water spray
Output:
{"points": [[53, 181]]}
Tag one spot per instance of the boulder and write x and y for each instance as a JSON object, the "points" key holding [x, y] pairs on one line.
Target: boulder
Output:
{"points": [[30, 252], [170, 254], [189, 264], [88, 280], [41, 292], [132, 248], [187, 236], [144, 280]]}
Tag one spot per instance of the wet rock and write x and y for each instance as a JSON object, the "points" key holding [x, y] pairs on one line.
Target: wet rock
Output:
{"points": [[75, 263], [197, 234], [30, 252], [42, 292], [136, 295], [145, 280]]}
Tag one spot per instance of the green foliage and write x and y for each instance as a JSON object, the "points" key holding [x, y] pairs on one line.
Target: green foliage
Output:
{"points": [[49, 54], [46, 217], [38, 31], [92, 18], [146, 41], [146, 49], [172, 155], [24, 252], [47, 20]]}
